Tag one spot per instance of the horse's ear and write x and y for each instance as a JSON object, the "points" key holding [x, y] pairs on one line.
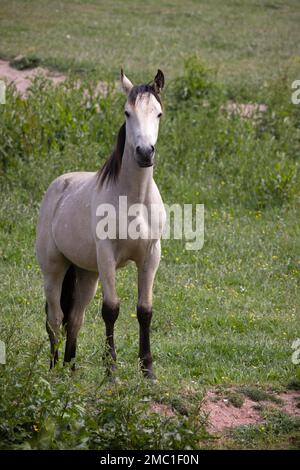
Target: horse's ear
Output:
{"points": [[159, 81], [125, 83]]}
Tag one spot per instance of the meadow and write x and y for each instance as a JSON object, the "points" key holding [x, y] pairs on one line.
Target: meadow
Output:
{"points": [[225, 316]]}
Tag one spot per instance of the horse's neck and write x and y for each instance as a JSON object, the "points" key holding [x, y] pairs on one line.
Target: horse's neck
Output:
{"points": [[133, 181]]}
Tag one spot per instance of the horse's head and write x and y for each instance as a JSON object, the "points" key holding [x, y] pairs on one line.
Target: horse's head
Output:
{"points": [[143, 110]]}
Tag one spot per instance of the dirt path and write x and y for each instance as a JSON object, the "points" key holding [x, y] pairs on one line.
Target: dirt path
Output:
{"points": [[22, 78]]}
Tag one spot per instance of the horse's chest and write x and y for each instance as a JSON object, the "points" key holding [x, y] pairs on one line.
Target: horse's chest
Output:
{"points": [[129, 250], [140, 222]]}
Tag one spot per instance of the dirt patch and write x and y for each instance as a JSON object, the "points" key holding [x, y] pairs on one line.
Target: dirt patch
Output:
{"points": [[23, 78], [223, 415], [291, 400], [164, 410]]}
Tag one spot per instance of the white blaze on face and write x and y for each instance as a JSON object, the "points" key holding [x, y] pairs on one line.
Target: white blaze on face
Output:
{"points": [[142, 121]]}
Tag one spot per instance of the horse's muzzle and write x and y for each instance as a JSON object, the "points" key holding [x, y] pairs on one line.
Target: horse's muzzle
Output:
{"points": [[145, 156]]}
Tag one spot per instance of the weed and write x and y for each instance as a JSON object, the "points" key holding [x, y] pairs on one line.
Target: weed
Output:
{"points": [[257, 394], [24, 63]]}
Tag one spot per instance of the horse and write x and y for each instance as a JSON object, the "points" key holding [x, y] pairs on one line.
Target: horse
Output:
{"points": [[73, 259]]}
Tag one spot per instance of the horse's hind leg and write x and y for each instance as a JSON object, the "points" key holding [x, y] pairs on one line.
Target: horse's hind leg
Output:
{"points": [[84, 287], [110, 305], [52, 284]]}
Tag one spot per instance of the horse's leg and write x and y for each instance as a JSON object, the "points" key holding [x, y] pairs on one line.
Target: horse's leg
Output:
{"points": [[110, 306], [146, 273], [52, 284], [85, 287]]}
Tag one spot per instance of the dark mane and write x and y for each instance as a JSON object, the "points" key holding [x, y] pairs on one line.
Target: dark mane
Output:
{"points": [[112, 166]]}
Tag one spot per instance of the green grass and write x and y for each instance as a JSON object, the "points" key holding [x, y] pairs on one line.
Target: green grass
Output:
{"points": [[236, 399], [280, 431], [256, 394], [223, 316], [246, 41]]}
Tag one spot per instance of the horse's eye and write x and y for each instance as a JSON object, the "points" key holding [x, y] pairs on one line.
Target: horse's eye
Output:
{"points": [[127, 114], [159, 115]]}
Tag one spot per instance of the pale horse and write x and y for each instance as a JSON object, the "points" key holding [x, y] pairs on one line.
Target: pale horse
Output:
{"points": [[71, 255]]}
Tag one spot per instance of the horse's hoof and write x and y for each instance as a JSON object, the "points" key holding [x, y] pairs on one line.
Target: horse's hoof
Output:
{"points": [[111, 379], [110, 375], [149, 374], [110, 372], [71, 364]]}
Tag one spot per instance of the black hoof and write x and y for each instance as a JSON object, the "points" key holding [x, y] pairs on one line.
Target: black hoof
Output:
{"points": [[110, 370], [149, 374], [54, 360]]}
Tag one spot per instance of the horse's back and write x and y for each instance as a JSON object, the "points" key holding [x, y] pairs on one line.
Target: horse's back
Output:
{"points": [[56, 194], [69, 181]]}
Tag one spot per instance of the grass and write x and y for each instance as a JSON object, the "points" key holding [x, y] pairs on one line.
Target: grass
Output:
{"points": [[226, 315], [256, 394], [246, 41], [294, 384], [236, 399], [277, 425], [24, 62]]}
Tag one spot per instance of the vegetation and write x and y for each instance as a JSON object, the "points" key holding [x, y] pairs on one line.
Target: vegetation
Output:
{"points": [[257, 394], [246, 41], [279, 431], [226, 315]]}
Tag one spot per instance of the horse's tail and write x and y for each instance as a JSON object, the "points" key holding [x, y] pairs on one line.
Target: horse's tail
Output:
{"points": [[67, 292]]}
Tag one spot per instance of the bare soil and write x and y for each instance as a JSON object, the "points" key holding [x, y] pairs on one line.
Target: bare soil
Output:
{"points": [[162, 409], [222, 415], [23, 78]]}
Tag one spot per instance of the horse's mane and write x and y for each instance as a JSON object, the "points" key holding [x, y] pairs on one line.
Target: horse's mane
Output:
{"points": [[111, 168]]}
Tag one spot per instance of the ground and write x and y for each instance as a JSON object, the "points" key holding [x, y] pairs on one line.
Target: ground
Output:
{"points": [[22, 78], [225, 318], [250, 40]]}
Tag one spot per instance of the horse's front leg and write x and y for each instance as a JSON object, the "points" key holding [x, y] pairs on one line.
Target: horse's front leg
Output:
{"points": [[110, 306], [146, 273]]}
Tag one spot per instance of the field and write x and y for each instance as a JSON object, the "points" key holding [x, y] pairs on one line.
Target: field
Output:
{"points": [[225, 317]]}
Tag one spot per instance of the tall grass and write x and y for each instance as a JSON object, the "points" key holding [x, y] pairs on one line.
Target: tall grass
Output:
{"points": [[249, 162]]}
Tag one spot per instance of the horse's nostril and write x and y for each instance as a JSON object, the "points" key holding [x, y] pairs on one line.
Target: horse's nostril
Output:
{"points": [[145, 153]]}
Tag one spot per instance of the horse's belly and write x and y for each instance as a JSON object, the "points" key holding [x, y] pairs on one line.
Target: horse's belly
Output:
{"points": [[73, 237], [83, 256]]}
